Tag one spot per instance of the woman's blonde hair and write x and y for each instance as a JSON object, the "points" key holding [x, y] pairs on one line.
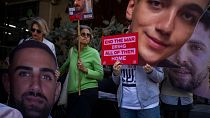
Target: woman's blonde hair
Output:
{"points": [[42, 25]]}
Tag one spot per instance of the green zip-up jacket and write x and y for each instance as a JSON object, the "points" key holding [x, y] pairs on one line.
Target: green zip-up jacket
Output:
{"points": [[91, 60]]}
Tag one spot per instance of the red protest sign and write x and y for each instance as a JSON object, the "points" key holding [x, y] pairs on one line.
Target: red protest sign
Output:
{"points": [[82, 9], [120, 47]]}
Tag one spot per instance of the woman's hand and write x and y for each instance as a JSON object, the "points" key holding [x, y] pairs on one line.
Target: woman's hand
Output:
{"points": [[148, 69], [117, 68], [81, 67]]}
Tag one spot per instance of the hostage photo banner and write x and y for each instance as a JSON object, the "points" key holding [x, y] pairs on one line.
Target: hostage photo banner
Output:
{"points": [[194, 61], [81, 10]]}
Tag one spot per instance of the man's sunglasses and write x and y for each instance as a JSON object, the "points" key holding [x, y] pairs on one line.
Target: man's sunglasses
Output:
{"points": [[86, 34], [38, 31]]}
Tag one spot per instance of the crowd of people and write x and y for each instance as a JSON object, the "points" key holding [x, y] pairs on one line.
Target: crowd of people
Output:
{"points": [[164, 28]]}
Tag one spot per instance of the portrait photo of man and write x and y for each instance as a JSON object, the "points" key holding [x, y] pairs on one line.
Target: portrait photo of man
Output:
{"points": [[194, 58], [81, 9]]}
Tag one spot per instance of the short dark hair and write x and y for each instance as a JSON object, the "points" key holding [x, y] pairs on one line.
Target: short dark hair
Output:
{"points": [[31, 44]]}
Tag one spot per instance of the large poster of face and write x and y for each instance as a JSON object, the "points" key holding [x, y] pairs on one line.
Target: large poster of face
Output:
{"points": [[162, 26], [194, 60]]}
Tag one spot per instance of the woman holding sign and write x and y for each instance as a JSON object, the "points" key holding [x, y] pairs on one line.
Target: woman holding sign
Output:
{"points": [[84, 77]]}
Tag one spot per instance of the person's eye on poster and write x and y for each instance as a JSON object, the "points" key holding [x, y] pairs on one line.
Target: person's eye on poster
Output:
{"points": [[81, 10]]}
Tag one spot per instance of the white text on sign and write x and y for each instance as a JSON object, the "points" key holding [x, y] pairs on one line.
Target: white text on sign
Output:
{"points": [[129, 39], [128, 51]]}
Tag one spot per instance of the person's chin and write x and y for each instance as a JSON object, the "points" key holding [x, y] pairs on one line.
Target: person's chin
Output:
{"points": [[33, 114], [181, 81], [34, 110], [150, 58]]}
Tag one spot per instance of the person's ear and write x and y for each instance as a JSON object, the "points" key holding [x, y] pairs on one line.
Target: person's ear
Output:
{"points": [[130, 9], [57, 91], [6, 82]]}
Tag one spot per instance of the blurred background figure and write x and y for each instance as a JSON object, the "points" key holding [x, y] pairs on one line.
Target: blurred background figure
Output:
{"points": [[39, 30]]}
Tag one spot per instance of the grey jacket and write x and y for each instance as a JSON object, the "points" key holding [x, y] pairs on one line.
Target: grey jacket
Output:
{"points": [[147, 85]]}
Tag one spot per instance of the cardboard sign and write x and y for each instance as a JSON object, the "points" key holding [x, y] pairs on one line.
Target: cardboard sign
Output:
{"points": [[83, 9], [123, 48]]}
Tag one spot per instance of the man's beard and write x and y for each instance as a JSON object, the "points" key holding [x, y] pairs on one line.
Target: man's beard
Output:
{"points": [[192, 84], [35, 111], [79, 9]]}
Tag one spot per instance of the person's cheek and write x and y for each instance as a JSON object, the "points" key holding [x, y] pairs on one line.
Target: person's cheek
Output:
{"points": [[18, 92]]}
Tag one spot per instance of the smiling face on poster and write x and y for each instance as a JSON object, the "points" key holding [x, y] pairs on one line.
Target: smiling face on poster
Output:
{"points": [[194, 58], [163, 26], [81, 10]]}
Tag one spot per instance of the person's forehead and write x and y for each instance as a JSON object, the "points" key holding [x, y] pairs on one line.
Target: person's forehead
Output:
{"points": [[33, 53], [85, 30], [35, 25], [31, 50]]}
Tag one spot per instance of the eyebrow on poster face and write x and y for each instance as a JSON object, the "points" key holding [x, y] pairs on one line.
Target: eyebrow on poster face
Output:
{"points": [[194, 8], [198, 42], [199, 45], [192, 12]]}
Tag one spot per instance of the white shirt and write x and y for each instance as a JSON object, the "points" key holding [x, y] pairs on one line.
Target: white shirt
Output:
{"points": [[45, 41], [130, 99], [8, 112]]}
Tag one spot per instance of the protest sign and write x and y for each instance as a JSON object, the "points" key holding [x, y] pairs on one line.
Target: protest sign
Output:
{"points": [[123, 48]]}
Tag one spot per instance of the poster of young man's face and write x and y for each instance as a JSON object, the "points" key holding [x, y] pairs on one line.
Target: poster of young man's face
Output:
{"points": [[81, 10], [194, 59]]}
